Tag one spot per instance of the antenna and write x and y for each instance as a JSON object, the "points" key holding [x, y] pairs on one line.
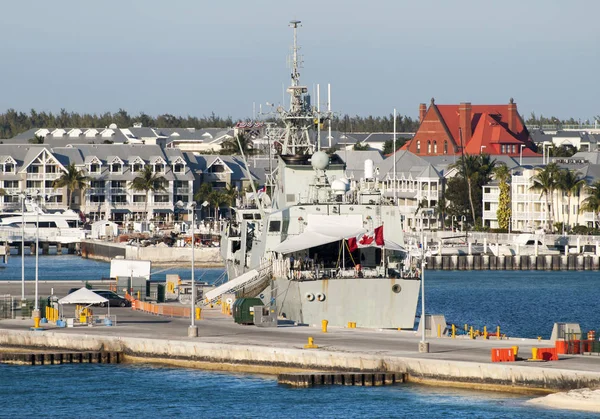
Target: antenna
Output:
{"points": [[296, 63]]}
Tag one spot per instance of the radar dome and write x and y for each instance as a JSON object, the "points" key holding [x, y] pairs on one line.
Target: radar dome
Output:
{"points": [[112, 126], [320, 160], [338, 187]]}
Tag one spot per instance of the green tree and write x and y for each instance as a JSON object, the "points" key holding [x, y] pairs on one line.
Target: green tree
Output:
{"points": [[504, 211], [148, 181], [592, 202], [544, 183], [571, 183], [388, 146], [361, 147], [231, 146], [475, 171], [37, 139], [73, 179]]}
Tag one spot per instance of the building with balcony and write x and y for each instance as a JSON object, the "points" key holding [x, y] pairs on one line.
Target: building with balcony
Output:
{"points": [[529, 208], [110, 168]]}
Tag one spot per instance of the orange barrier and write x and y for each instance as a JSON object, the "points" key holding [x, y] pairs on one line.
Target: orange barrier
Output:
{"points": [[503, 355], [561, 346], [160, 310], [548, 354], [591, 335]]}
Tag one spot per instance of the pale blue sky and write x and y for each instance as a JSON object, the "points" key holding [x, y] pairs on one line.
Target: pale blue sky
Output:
{"points": [[196, 57]]}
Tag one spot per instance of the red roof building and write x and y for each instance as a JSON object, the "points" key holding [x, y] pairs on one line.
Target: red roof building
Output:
{"points": [[470, 129]]}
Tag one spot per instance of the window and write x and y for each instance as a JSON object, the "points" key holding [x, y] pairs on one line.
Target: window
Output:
{"points": [[120, 199], [182, 198], [33, 169], [514, 148], [139, 198], [97, 198], [435, 147], [274, 226], [418, 146], [161, 198], [97, 184], [50, 169], [159, 168], [9, 167], [446, 147], [118, 184], [11, 183], [487, 190], [428, 147], [179, 168], [94, 168], [487, 206], [137, 167], [503, 149], [115, 167], [34, 184]]}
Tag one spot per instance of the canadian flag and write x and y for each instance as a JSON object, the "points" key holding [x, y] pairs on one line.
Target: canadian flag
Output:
{"points": [[369, 239]]}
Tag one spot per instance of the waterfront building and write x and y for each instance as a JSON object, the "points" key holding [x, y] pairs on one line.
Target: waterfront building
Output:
{"points": [[579, 140], [470, 129], [111, 169], [528, 206]]}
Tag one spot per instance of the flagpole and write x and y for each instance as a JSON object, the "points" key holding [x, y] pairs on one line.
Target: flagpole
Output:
{"points": [[343, 254]]}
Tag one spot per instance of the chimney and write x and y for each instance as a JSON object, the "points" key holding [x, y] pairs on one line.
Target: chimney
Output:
{"points": [[464, 112], [512, 115], [422, 112]]}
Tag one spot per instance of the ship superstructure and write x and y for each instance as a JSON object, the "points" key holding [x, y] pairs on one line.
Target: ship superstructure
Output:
{"points": [[299, 253]]}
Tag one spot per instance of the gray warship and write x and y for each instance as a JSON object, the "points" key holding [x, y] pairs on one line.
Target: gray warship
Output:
{"points": [[297, 250]]}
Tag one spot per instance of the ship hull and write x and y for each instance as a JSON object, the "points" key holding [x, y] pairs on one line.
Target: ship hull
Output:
{"points": [[370, 302]]}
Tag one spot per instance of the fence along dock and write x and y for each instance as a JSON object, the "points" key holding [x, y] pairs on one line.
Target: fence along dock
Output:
{"points": [[514, 262]]}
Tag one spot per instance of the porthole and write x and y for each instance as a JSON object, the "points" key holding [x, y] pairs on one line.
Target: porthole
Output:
{"points": [[396, 288]]}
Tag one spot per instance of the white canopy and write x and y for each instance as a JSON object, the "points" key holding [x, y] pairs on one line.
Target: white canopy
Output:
{"points": [[82, 296], [323, 229]]}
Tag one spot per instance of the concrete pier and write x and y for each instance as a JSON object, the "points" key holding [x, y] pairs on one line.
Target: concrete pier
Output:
{"points": [[223, 345]]}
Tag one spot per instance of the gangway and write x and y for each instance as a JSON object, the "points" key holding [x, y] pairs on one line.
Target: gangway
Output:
{"points": [[245, 280]]}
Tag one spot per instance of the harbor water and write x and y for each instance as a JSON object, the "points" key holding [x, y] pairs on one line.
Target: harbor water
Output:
{"points": [[93, 390]]}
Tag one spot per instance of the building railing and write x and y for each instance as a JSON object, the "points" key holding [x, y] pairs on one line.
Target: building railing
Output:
{"points": [[182, 191]]}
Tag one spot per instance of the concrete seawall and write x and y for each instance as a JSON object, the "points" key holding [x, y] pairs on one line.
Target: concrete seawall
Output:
{"points": [[98, 250], [273, 360], [515, 262]]}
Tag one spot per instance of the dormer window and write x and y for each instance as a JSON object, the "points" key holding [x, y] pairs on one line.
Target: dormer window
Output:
{"points": [[159, 168], [179, 168], [137, 167], [9, 168], [94, 168], [115, 168]]}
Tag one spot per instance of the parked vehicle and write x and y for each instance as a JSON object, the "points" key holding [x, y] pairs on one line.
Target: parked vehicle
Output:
{"points": [[114, 299]]}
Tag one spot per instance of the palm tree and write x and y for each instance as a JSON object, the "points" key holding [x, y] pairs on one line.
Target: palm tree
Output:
{"points": [[231, 145], [577, 191], [554, 171], [148, 181], [503, 214], [543, 182], [592, 202], [73, 179], [570, 182], [204, 194], [476, 170]]}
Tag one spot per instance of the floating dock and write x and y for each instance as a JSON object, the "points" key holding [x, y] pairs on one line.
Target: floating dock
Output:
{"points": [[514, 262]]}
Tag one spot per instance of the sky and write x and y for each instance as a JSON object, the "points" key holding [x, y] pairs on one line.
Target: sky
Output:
{"points": [[229, 57]]}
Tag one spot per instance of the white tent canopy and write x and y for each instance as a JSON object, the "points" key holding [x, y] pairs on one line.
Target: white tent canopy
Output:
{"points": [[323, 229], [83, 296]]}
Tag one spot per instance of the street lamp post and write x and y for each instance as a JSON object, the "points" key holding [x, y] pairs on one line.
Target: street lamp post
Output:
{"points": [[463, 220], [453, 219], [192, 329], [36, 306], [22, 197], [423, 344]]}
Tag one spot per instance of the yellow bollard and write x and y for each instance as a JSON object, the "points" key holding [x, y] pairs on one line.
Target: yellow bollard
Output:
{"points": [[198, 312], [354, 325], [466, 328], [485, 333], [310, 344], [439, 330], [349, 325], [534, 353], [36, 322], [453, 331], [515, 350], [498, 333], [324, 326], [138, 293], [471, 333]]}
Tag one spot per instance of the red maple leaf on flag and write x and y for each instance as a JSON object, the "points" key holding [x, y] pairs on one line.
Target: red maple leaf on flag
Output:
{"points": [[366, 240]]}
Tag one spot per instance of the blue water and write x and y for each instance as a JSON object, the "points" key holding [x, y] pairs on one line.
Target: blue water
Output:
{"points": [[92, 390], [71, 267]]}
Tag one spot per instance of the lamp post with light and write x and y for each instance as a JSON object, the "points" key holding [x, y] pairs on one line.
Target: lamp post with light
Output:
{"points": [[192, 329]]}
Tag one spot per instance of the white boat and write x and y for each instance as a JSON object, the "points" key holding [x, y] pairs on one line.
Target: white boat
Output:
{"points": [[62, 227]]}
